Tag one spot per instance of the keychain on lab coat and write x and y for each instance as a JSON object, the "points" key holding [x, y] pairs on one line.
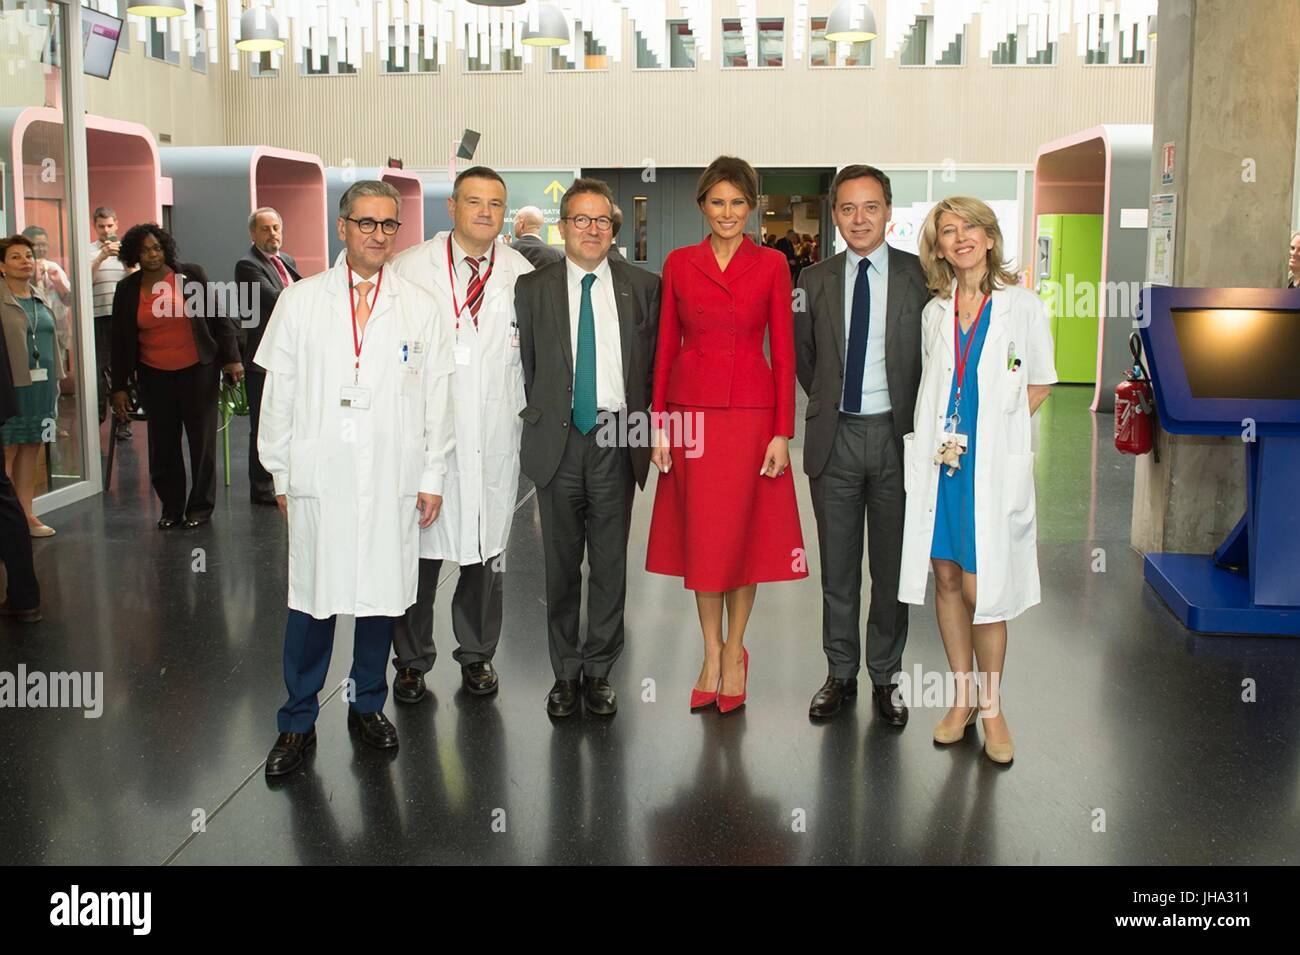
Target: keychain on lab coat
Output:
{"points": [[954, 443]]}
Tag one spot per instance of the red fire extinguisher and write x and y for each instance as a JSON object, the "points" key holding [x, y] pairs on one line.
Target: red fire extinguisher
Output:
{"points": [[1135, 407]]}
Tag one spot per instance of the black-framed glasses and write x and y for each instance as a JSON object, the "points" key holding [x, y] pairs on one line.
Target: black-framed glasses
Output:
{"points": [[603, 223], [367, 225]]}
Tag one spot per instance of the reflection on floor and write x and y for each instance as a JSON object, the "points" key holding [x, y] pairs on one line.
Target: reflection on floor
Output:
{"points": [[1133, 743]]}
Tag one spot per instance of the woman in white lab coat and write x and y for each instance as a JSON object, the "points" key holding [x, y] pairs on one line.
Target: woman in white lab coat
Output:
{"points": [[987, 364]]}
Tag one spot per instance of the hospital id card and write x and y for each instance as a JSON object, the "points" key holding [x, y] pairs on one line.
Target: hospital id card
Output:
{"points": [[461, 354], [352, 396], [40, 374]]}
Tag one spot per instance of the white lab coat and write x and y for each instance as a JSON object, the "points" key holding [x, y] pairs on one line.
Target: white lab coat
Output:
{"points": [[1006, 536], [487, 395], [350, 475]]}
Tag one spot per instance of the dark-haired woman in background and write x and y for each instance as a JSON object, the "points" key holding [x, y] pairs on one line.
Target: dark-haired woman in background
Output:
{"points": [[170, 337]]}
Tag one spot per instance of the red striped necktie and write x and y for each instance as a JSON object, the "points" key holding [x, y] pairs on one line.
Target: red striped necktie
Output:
{"points": [[474, 294]]}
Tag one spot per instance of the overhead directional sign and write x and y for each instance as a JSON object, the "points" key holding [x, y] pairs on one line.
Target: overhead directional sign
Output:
{"points": [[543, 189]]}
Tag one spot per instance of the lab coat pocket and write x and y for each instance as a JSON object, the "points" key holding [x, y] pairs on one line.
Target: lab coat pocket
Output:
{"points": [[909, 461], [304, 467], [1014, 388], [1018, 488]]}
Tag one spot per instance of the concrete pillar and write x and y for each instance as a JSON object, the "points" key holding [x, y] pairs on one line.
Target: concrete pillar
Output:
{"points": [[1227, 82]]}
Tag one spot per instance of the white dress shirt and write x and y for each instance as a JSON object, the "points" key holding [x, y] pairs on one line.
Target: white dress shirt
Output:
{"points": [[875, 387], [610, 392]]}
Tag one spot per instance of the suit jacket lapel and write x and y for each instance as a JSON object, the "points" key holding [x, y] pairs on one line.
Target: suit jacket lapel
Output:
{"points": [[560, 295], [267, 268], [834, 289], [626, 316], [894, 307]]}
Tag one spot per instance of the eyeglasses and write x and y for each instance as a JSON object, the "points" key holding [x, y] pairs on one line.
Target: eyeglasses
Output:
{"points": [[603, 223], [367, 226]]}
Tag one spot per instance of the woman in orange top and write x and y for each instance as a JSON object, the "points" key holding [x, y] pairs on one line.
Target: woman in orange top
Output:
{"points": [[166, 334], [725, 517]]}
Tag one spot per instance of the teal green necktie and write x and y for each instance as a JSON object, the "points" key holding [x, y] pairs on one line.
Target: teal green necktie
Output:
{"points": [[584, 369]]}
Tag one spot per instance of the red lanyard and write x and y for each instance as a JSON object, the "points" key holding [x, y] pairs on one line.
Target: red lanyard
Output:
{"points": [[963, 353], [359, 337], [451, 277]]}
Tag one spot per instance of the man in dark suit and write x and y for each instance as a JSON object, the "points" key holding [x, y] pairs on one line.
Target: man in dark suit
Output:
{"points": [[528, 239], [587, 330], [23, 601], [858, 355], [268, 269]]}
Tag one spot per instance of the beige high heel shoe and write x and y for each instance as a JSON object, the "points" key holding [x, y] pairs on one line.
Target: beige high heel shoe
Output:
{"points": [[1001, 753], [945, 734]]}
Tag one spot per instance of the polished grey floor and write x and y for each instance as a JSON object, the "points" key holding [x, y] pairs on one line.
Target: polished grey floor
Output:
{"points": [[1133, 742]]}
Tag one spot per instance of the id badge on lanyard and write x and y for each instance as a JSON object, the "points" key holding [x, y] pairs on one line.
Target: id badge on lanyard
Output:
{"points": [[355, 396], [955, 443]]}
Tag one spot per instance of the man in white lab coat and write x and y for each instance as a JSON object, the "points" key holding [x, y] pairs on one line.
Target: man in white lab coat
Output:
{"points": [[356, 430], [471, 278]]}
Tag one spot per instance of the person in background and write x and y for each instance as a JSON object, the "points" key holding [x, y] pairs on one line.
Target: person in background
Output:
{"points": [[528, 238], [106, 270], [23, 598], [1293, 263], [986, 366], [52, 282], [29, 331], [717, 523], [271, 271], [167, 337], [614, 254]]}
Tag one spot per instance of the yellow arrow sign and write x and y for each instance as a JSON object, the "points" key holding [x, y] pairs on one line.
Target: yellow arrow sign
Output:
{"points": [[554, 190]]}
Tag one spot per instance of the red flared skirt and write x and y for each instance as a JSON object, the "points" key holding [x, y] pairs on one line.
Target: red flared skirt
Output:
{"points": [[717, 523]]}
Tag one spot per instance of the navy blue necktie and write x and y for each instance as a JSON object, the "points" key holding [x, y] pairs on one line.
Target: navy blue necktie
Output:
{"points": [[855, 362]]}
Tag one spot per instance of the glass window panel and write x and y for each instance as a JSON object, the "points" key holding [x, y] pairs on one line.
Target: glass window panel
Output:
{"points": [[594, 55], [332, 64], [986, 184], [36, 200], [680, 46], [199, 61], [412, 58]]}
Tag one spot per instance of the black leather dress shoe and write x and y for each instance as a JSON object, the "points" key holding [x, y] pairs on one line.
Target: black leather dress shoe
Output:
{"points": [[30, 615], [827, 701], [287, 753], [600, 696], [408, 685], [375, 729], [890, 708], [479, 678], [193, 522], [563, 698], [165, 523]]}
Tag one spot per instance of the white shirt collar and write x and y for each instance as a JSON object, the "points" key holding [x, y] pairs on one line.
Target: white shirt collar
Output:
{"points": [[576, 272]]}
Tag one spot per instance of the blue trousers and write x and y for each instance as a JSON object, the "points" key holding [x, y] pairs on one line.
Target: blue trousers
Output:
{"points": [[308, 643]]}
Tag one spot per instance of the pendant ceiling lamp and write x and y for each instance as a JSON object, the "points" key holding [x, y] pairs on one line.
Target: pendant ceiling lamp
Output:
{"points": [[255, 37], [552, 27], [851, 22], [156, 8]]}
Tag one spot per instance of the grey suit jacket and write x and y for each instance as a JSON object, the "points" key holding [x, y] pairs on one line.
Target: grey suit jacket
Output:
{"points": [[819, 331], [546, 348], [537, 252]]}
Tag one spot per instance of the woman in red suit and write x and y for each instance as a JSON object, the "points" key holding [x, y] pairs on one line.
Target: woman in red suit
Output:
{"points": [[725, 517]]}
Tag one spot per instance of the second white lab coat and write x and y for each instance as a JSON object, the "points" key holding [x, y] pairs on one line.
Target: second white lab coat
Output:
{"points": [[487, 396], [351, 476], [1006, 533]]}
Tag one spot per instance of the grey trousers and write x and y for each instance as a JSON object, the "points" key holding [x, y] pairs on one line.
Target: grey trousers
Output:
{"points": [[475, 617], [587, 506], [861, 487]]}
